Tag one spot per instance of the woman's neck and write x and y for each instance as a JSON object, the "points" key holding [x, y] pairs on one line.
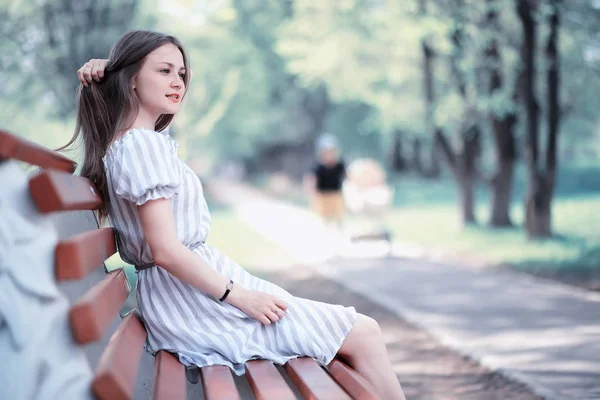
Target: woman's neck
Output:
{"points": [[144, 120]]}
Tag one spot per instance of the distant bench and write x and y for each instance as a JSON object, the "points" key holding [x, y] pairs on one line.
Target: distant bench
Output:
{"points": [[116, 345]]}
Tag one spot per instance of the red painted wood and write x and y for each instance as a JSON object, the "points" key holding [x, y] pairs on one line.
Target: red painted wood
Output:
{"points": [[93, 313], [116, 374], [266, 382], [313, 381], [14, 147]]}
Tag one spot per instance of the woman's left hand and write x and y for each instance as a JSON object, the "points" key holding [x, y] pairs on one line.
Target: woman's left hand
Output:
{"points": [[92, 70]]}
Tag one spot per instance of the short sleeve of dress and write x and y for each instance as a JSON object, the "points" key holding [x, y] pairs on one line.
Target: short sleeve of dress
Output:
{"points": [[146, 167]]}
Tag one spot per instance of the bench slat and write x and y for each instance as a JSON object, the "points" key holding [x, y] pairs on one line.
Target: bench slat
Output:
{"points": [[14, 147], [266, 382], [91, 315], [218, 383], [313, 381], [81, 254], [115, 377], [59, 191], [168, 382], [352, 381]]}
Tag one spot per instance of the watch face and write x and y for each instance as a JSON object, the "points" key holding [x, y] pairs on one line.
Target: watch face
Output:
{"points": [[230, 285]]}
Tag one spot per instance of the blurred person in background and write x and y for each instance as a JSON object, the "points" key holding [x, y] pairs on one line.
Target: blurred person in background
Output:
{"points": [[326, 180]]}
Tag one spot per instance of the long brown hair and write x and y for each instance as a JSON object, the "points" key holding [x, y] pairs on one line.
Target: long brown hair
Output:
{"points": [[109, 107]]}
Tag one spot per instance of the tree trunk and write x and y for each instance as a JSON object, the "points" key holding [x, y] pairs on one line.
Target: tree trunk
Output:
{"points": [[503, 131], [316, 105], [538, 204], [466, 193], [398, 163], [537, 217], [417, 156], [433, 170], [468, 172], [554, 114], [464, 169], [462, 164], [501, 191]]}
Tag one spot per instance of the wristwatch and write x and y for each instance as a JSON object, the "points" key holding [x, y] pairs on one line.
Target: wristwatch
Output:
{"points": [[228, 289]]}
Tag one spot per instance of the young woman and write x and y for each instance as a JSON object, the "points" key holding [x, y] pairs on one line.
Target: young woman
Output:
{"points": [[194, 300]]}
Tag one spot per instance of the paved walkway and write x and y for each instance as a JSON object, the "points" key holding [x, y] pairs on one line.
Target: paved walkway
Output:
{"points": [[541, 333]]}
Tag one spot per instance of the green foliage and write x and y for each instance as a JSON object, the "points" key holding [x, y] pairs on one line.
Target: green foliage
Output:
{"points": [[283, 71], [50, 41]]}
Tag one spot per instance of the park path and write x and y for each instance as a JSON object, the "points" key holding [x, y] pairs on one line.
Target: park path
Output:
{"points": [[542, 334]]}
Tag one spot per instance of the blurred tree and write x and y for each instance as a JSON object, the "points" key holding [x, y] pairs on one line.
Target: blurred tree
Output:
{"points": [[462, 162], [53, 39], [429, 97], [397, 160], [357, 50], [502, 113], [303, 110], [541, 178]]}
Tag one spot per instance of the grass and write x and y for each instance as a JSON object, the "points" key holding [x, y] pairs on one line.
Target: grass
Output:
{"points": [[426, 212], [239, 241], [575, 220]]}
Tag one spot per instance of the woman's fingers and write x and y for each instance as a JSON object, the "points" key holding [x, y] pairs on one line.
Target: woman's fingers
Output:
{"points": [[281, 304], [94, 72], [273, 316], [80, 75], [87, 73]]}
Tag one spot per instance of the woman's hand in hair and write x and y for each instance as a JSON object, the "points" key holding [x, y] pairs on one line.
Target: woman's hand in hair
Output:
{"points": [[92, 70]]}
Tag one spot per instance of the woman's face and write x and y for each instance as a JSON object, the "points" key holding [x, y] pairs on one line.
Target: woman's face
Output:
{"points": [[159, 84]]}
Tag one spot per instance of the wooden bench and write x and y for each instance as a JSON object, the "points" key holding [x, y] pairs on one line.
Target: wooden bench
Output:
{"points": [[54, 190]]}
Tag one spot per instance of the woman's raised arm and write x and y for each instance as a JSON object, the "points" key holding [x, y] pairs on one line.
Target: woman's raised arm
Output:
{"points": [[92, 70]]}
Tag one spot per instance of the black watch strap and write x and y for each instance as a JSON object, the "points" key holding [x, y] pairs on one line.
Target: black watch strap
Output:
{"points": [[229, 287]]}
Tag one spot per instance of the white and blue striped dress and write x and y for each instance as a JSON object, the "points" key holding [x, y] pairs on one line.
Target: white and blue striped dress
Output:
{"points": [[142, 166]]}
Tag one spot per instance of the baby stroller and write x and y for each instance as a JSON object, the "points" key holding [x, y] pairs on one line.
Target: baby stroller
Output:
{"points": [[368, 199]]}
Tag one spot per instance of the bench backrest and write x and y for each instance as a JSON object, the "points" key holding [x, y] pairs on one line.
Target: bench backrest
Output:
{"points": [[81, 255]]}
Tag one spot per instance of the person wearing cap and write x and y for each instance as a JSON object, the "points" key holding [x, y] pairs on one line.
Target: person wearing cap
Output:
{"points": [[326, 180]]}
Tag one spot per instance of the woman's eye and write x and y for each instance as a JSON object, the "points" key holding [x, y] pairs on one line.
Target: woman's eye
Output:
{"points": [[182, 75], [165, 71]]}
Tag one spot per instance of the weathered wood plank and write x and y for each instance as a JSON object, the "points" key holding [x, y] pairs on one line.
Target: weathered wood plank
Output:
{"points": [[266, 382], [79, 255], [169, 378], [115, 377], [218, 383], [91, 315], [14, 147], [59, 191], [349, 379], [313, 381]]}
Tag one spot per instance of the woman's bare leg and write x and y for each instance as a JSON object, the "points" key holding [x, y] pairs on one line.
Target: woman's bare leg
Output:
{"points": [[365, 351]]}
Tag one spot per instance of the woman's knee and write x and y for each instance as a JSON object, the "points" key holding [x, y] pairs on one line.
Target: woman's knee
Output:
{"points": [[364, 334], [369, 327]]}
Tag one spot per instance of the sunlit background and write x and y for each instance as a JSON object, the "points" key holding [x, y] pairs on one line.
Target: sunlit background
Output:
{"points": [[438, 92]]}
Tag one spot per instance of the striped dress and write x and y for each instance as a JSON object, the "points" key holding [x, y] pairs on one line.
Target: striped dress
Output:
{"points": [[142, 166]]}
